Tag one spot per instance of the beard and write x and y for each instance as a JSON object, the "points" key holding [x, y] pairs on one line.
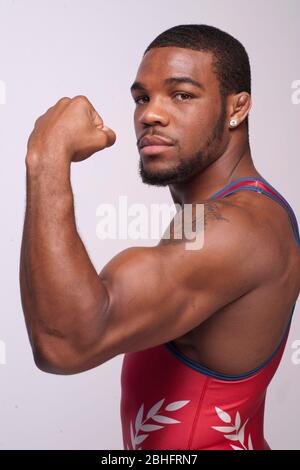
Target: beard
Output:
{"points": [[187, 168]]}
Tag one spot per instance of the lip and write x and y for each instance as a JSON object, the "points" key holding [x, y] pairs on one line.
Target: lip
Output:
{"points": [[154, 149], [154, 140]]}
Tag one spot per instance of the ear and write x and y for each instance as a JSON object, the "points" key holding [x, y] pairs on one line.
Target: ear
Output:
{"points": [[241, 104]]}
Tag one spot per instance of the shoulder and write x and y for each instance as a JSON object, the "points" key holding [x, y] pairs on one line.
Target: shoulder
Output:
{"points": [[221, 222], [232, 241]]}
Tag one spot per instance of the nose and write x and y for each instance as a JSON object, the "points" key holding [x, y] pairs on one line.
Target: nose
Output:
{"points": [[153, 113]]}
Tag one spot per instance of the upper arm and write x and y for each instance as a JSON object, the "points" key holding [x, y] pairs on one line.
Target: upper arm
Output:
{"points": [[157, 294], [153, 295]]}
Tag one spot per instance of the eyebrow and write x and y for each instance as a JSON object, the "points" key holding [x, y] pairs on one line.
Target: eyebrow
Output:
{"points": [[169, 81]]}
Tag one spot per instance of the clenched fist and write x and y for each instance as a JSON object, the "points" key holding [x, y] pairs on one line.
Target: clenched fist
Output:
{"points": [[71, 129]]}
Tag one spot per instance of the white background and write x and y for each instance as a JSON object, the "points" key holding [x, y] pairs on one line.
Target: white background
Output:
{"points": [[50, 49]]}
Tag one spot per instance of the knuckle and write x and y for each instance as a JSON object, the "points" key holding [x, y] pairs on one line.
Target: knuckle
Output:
{"points": [[64, 99], [37, 121], [81, 99]]}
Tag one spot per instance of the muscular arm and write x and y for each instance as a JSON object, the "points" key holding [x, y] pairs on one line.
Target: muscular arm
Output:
{"points": [[61, 292]]}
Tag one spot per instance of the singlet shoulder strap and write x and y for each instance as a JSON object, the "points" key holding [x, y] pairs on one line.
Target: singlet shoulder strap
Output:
{"points": [[260, 185]]}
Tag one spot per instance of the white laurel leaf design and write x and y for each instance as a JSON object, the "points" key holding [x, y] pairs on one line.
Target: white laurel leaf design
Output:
{"points": [[232, 437], [140, 425], [239, 431], [155, 408], [139, 417], [250, 446], [164, 419], [237, 421], [139, 439], [225, 417], [224, 428], [176, 405], [150, 427]]}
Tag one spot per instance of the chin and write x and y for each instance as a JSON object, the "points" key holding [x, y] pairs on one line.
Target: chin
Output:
{"points": [[154, 180], [155, 177], [157, 172], [162, 178]]}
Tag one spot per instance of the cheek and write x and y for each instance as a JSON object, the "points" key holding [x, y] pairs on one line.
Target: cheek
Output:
{"points": [[135, 118], [197, 122], [193, 131]]}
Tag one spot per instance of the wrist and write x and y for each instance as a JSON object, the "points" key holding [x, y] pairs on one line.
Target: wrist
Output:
{"points": [[38, 161]]}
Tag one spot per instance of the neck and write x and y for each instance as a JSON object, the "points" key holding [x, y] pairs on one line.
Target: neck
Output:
{"points": [[234, 163]]}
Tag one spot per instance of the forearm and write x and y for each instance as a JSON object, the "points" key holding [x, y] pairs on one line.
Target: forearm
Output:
{"points": [[62, 295]]}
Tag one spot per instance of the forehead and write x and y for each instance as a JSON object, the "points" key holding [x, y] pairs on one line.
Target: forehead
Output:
{"points": [[162, 62]]}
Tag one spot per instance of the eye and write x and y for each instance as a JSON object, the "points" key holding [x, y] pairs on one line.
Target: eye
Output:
{"points": [[186, 95], [136, 100]]}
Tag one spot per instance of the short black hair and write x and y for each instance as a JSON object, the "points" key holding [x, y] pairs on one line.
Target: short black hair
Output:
{"points": [[230, 59]]}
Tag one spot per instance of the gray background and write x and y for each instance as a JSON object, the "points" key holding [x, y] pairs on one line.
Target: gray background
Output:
{"points": [[50, 49]]}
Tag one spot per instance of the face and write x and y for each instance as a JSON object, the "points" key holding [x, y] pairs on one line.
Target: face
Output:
{"points": [[177, 98]]}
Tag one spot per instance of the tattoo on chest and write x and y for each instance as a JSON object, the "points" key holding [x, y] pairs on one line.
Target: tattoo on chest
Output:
{"points": [[213, 212], [191, 220]]}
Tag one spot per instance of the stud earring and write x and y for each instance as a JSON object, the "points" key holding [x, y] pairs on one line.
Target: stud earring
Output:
{"points": [[233, 122]]}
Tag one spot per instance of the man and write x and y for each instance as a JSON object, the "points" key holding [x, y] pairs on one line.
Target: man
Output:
{"points": [[203, 331]]}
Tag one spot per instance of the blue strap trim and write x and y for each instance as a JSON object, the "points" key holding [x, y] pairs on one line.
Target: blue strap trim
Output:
{"points": [[229, 185], [218, 375], [289, 211], [284, 203]]}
